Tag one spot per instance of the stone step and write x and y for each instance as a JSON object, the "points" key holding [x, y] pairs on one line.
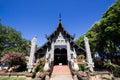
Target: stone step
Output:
{"points": [[61, 69], [61, 72]]}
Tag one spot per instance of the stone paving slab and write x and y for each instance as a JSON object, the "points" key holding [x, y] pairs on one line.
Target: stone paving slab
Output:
{"points": [[61, 77]]}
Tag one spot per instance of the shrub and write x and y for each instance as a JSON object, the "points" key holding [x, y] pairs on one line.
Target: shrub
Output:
{"points": [[115, 69], [116, 72], [83, 67], [40, 65], [14, 60]]}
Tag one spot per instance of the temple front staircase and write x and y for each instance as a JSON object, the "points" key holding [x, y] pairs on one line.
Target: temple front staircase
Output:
{"points": [[61, 72]]}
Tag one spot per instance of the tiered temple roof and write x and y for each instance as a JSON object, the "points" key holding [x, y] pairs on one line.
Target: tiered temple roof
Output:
{"points": [[59, 29]]}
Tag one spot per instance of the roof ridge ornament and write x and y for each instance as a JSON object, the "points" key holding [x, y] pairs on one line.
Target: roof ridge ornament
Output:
{"points": [[60, 17]]}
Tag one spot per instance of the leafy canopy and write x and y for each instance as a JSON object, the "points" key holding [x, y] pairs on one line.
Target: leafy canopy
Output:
{"points": [[104, 35], [12, 41]]}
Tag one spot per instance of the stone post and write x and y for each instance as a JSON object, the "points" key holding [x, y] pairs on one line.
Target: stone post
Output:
{"points": [[52, 51], [32, 57], [68, 51], [89, 58]]}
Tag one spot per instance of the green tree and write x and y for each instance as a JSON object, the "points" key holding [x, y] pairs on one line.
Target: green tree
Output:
{"points": [[104, 35], [92, 35], [110, 29], [12, 41]]}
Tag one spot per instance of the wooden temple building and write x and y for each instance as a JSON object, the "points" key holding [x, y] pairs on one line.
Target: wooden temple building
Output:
{"points": [[59, 48]]}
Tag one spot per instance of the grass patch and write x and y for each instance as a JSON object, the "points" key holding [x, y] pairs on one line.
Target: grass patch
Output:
{"points": [[104, 78], [12, 78]]}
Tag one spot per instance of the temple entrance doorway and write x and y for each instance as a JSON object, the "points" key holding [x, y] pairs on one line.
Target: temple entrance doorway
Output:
{"points": [[60, 56]]}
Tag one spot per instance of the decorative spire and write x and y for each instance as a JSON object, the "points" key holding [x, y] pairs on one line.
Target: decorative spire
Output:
{"points": [[59, 17]]}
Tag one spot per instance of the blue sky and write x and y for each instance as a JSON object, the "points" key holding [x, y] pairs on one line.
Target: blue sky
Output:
{"points": [[40, 17]]}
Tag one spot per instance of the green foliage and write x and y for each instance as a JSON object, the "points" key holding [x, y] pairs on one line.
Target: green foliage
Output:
{"points": [[110, 26], [12, 41], [12, 78], [80, 41], [109, 65], [92, 35], [104, 35], [81, 67], [104, 78], [40, 65], [115, 69]]}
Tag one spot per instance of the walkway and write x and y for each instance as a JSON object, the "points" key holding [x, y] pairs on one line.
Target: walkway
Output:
{"points": [[61, 73]]}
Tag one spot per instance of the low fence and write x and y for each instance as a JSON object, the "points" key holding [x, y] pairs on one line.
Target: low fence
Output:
{"points": [[95, 76], [27, 76], [12, 74], [101, 75]]}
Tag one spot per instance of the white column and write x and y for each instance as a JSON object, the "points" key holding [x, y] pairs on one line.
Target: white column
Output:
{"points": [[47, 55], [32, 57], [52, 51], [68, 51], [89, 58], [74, 53]]}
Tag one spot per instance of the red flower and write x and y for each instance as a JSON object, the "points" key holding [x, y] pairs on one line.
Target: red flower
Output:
{"points": [[10, 55]]}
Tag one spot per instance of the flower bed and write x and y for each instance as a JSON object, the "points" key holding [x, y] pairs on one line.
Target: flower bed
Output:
{"points": [[15, 62]]}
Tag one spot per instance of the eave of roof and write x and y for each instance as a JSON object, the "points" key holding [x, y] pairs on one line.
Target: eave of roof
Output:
{"points": [[78, 46]]}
